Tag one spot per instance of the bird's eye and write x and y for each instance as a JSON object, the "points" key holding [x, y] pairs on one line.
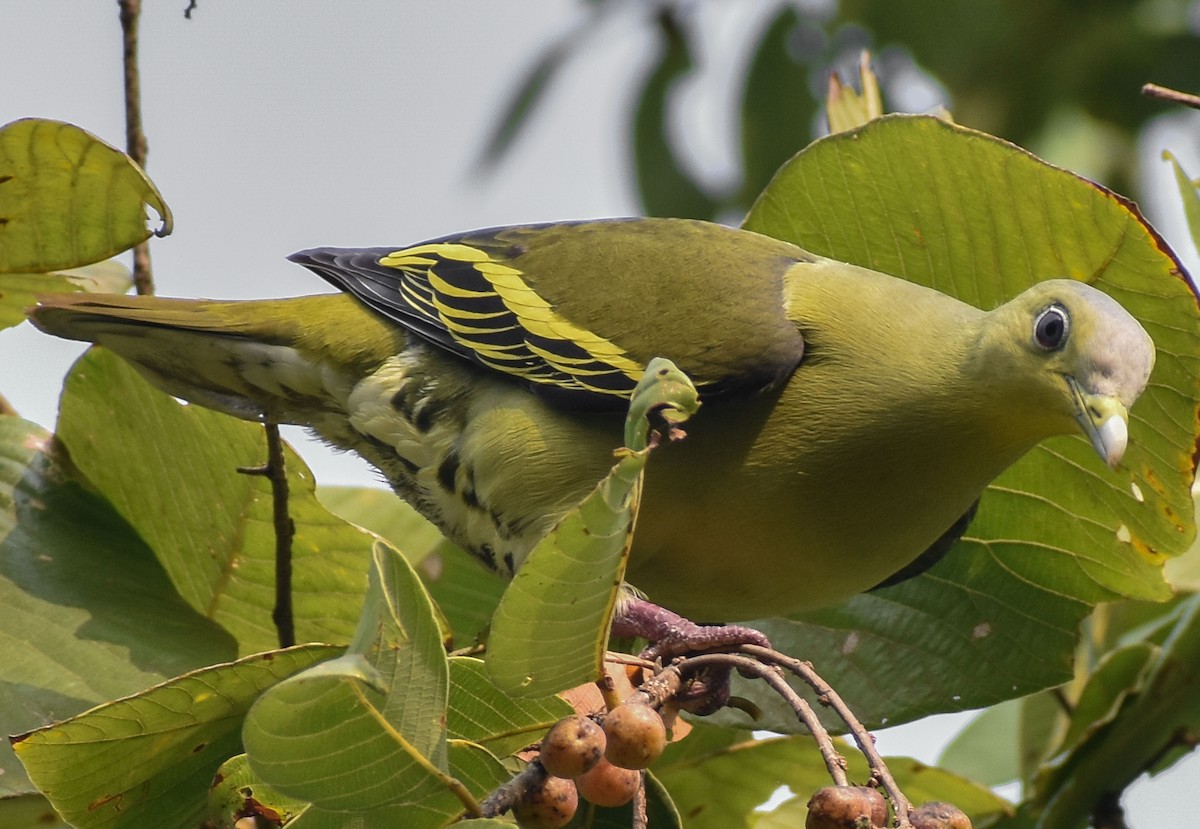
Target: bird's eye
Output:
{"points": [[1051, 329]]}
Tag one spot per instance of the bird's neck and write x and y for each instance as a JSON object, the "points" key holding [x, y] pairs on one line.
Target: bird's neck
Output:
{"points": [[909, 356]]}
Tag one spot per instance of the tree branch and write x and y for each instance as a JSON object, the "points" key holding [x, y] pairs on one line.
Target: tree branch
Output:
{"points": [[135, 138], [275, 471], [1153, 90]]}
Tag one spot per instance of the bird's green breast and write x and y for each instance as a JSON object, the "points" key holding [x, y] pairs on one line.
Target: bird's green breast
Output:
{"points": [[875, 446]]}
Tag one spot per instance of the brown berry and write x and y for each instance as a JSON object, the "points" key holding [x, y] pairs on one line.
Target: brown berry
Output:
{"points": [[608, 785], [572, 746], [636, 735], [846, 807], [937, 815], [548, 804]]}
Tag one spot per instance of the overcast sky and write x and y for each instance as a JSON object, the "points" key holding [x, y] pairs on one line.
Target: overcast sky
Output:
{"points": [[276, 126]]}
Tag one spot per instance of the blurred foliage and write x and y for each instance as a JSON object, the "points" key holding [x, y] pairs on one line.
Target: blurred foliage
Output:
{"points": [[1029, 72]]}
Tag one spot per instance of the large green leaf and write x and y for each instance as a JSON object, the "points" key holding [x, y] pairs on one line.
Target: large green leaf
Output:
{"points": [[86, 613], [150, 758], [171, 471], [483, 714], [981, 219], [551, 629], [68, 199], [367, 731]]}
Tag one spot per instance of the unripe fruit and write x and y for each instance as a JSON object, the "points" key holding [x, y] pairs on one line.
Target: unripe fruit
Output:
{"points": [[608, 785], [549, 804], [936, 815], [636, 735], [572, 746], [846, 807]]}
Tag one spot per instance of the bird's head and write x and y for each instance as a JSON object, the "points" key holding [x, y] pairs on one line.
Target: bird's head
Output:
{"points": [[1076, 354]]}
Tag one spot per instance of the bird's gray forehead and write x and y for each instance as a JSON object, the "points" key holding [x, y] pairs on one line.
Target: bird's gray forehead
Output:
{"points": [[1120, 354]]}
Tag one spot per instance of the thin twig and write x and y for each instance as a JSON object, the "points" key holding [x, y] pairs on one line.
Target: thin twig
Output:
{"points": [[1153, 90], [275, 471], [507, 794], [135, 137], [835, 763], [640, 820], [829, 697]]}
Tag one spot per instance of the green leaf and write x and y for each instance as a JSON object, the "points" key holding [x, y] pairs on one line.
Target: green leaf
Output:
{"points": [[483, 714], [237, 793], [530, 90], [465, 591], [18, 290], [68, 199], [778, 107], [149, 759], [1119, 674], [1189, 195], [1164, 704], [366, 731], [32, 811], [107, 277], [980, 219], [665, 187], [551, 628], [468, 762], [1007, 742], [987, 749], [171, 471], [86, 613]]}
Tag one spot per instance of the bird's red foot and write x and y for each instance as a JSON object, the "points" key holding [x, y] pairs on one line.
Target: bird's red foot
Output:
{"points": [[672, 635]]}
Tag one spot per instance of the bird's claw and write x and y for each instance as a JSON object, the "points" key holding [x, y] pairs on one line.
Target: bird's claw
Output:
{"points": [[671, 636]]}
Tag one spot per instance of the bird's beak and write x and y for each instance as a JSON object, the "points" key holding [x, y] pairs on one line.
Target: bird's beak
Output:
{"points": [[1105, 421]]}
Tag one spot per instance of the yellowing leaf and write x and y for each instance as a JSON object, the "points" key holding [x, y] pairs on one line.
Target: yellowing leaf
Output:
{"points": [[68, 199]]}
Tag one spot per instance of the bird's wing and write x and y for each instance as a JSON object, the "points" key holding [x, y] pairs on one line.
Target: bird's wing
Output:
{"points": [[577, 310]]}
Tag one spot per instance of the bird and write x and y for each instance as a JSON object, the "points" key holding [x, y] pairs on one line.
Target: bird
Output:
{"points": [[849, 419]]}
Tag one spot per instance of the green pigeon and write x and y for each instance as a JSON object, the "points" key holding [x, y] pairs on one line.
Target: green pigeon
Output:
{"points": [[850, 419]]}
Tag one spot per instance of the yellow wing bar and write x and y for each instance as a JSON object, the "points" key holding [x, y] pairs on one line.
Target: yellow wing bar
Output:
{"points": [[490, 311]]}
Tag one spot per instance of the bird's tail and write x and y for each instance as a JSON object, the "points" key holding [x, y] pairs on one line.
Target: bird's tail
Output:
{"points": [[279, 358]]}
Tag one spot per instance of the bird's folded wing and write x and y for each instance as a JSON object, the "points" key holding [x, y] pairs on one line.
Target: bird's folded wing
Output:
{"points": [[577, 310]]}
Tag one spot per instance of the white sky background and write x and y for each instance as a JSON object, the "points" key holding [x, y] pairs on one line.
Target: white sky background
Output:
{"points": [[278, 126]]}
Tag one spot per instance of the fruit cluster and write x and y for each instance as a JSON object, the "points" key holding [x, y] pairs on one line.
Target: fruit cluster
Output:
{"points": [[861, 807], [599, 759]]}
